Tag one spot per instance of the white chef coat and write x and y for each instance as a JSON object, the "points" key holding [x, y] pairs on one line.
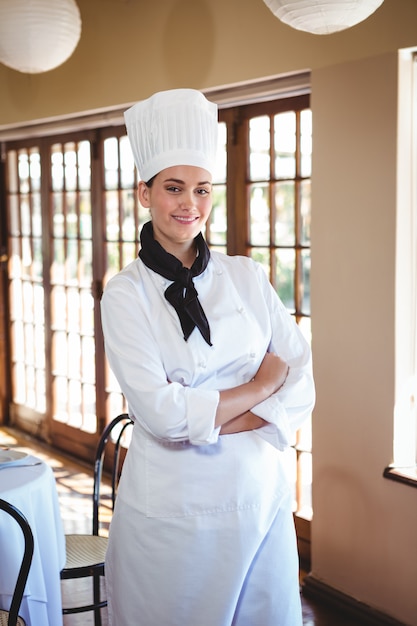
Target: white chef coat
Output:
{"points": [[202, 532]]}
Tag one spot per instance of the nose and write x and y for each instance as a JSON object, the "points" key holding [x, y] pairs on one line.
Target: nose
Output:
{"points": [[187, 201]]}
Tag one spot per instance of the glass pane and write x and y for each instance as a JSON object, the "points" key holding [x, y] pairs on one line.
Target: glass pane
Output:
{"points": [[60, 395], [58, 308], [70, 167], [25, 220], [85, 267], [39, 346], [71, 264], [259, 230], [19, 383], [305, 286], [27, 301], [88, 360], [37, 266], [74, 403], [73, 307], [113, 259], [284, 277], [36, 215], [219, 174], [84, 165], [127, 164], [30, 387], [18, 340], [306, 142], [89, 408], [26, 256], [305, 212], [58, 265], [12, 173], [112, 215], [15, 264], [85, 215], [130, 252], [217, 224], [14, 216], [59, 353], [72, 215], [29, 344], [111, 163], [87, 312], [35, 170], [38, 303], [23, 172], [40, 390], [259, 148], [285, 214], [16, 301], [285, 144], [74, 355], [57, 168], [127, 217], [58, 223], [262, 256]]}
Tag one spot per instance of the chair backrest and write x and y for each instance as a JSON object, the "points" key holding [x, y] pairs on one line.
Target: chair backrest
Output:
{"points": [[113, 436], [26, 559]]}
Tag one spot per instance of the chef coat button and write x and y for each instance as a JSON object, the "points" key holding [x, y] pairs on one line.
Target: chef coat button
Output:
{"points": [[202, 365], [241, 310], [252, 355]]}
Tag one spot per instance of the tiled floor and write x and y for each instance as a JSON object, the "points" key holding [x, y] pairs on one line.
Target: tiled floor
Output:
{"points": [[74, 483]]}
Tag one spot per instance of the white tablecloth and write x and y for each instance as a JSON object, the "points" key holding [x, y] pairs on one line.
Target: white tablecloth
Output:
{"points": [[33, 491]]}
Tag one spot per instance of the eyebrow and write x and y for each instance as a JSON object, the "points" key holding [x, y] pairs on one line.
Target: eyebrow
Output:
{"points": [[182, 182]]}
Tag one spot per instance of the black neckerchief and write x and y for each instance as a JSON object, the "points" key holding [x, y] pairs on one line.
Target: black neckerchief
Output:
{"points": [[181, 293]]}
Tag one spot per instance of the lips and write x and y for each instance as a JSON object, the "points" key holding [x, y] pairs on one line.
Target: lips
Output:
{"points": [[185, 220]]}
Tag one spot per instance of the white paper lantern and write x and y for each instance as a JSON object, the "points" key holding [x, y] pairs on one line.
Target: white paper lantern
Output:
{"points": [[322, 17], [38, 35]]}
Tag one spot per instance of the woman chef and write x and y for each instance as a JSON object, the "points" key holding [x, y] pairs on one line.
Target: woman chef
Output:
{"points": [[218, 378]]}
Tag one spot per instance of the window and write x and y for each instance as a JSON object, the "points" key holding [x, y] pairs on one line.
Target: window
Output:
{"points": [[405, 412], [73, 220], [269, 213]]}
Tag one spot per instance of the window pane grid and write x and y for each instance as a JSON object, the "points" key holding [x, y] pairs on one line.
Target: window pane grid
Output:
{"points": [[72, 303], [278, 192], [270, 222], [124, 216], [26, 292], [216, 227]]}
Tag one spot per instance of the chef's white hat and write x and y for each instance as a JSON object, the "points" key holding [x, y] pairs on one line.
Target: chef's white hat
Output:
{"points": [[175, 127]]}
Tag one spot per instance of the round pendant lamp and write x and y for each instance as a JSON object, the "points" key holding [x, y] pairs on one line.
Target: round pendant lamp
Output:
{"points": [[322, 17], [38, 35]]}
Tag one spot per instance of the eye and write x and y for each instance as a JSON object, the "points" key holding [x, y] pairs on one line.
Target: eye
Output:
{"points": [[203, 191], [173, 189]]}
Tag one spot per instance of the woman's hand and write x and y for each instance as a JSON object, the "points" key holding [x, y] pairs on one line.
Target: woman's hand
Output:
{"points": [[238, 401], [247, 421]]}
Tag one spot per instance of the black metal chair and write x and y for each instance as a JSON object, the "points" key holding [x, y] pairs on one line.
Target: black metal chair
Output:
{"points": [[85, 554], [11, 617]]}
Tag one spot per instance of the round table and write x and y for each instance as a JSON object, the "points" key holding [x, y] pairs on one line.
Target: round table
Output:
{"points": [[32, 489]]}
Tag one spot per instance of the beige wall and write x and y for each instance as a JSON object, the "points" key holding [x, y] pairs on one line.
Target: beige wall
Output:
{"points": [[360, 518], [364, 536], [130, 48]]}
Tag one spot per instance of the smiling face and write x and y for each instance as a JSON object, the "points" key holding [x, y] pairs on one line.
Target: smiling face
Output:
{"points": [[180, 201]]}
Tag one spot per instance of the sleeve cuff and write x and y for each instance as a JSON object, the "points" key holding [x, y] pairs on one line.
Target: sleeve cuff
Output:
{"points": [[201, 415]]}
